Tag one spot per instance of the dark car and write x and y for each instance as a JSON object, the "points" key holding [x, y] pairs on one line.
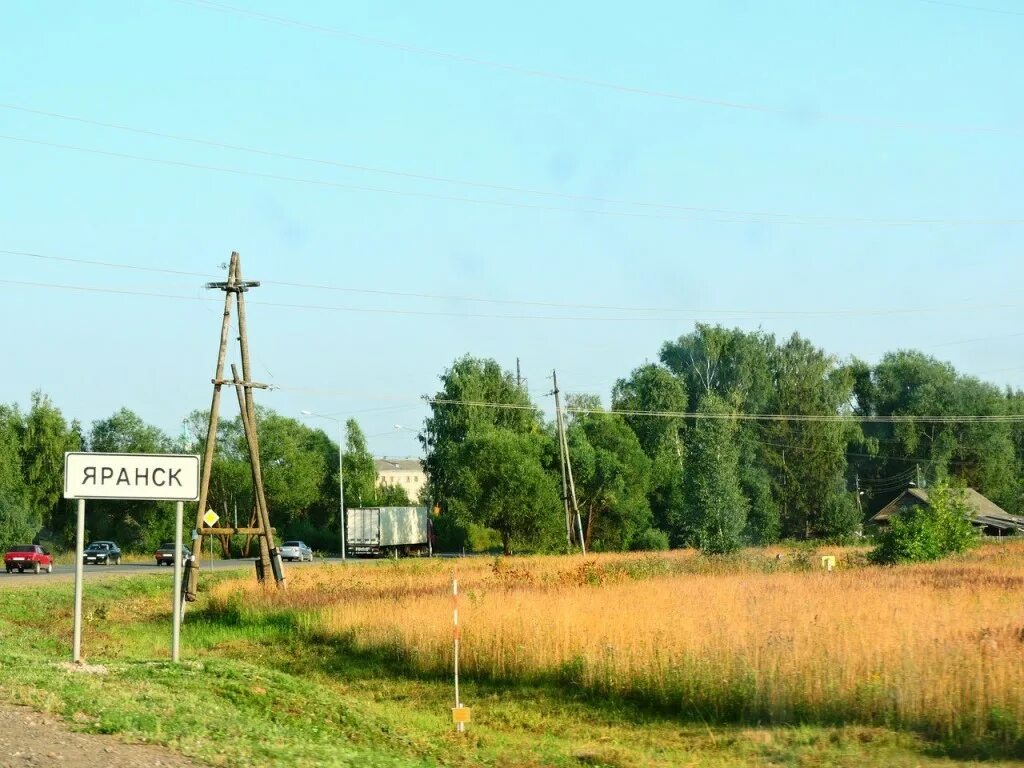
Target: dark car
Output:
{"points": [[102, 553], [165, 554]]}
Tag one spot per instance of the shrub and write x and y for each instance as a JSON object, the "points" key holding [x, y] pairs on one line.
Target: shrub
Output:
{"points": [[650, 540], [482, 539], [928, 532]]}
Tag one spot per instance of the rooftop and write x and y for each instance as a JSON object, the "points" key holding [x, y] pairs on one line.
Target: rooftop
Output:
{"points": [[398, 465]]}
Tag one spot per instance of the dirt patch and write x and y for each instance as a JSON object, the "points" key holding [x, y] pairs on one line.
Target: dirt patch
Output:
{"points": [[28, 738]]}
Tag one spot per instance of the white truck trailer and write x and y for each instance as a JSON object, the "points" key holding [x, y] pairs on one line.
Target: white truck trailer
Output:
{"points": [[388, 531]]}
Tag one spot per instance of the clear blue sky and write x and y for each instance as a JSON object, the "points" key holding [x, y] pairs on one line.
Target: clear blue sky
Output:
{"points": [[880, 110]]}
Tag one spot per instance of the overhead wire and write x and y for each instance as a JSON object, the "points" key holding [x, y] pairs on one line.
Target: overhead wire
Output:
{"points": [[338, 308], [853, 119], [756, 417], [795, 417], [750, 215], [695, 216], [899, 477], [368, 188], [852, 418], [686, 313]]}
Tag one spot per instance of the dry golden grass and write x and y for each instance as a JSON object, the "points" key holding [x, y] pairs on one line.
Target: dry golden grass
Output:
{"points": [[937, 647]]}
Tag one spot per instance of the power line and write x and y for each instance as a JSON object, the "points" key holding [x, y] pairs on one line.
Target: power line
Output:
{"points": [[363, 187], [875, 484], [863, 120], [764, 417], [769, 216], [742, 219], [976, 339], [808, 449], [899, 477], [110, 264], [892, 419], [795, 417], [336, 308], [93, 289], [684, 313]]}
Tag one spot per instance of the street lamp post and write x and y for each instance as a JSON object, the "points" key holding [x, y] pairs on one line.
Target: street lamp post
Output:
{"points": [[341, 472]]}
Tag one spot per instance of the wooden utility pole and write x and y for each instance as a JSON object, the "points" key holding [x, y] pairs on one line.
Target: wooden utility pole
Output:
{"points": [[211, 431], [234, 289], [259, 499], [561, 461], [566, 462]]}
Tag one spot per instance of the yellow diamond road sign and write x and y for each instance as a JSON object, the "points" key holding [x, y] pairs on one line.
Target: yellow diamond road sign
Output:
{"points": [[211, 518]]}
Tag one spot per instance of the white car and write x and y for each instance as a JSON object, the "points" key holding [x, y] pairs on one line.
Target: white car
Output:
{"points": [[296, 550]]}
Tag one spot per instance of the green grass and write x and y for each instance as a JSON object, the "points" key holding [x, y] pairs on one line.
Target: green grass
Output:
{"points": [[260, 690]]}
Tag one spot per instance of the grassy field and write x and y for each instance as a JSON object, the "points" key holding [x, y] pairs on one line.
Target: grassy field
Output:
{"points": [[618, 660]]}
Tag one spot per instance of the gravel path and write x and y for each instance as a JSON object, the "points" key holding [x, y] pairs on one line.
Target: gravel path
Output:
{"points": [[28, 738]]}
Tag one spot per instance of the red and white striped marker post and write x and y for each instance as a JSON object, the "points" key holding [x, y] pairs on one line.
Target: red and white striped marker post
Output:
{"points": [[460, 714]]}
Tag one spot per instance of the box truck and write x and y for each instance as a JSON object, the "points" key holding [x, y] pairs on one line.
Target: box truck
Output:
{"points": [[388, 531]]}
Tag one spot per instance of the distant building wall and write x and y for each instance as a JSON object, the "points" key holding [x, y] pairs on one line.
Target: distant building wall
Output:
{"points": [[406, 473]]}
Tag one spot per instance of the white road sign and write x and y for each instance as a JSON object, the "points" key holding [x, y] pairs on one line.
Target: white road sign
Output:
{"points": [[210, 518], [146, 476]]}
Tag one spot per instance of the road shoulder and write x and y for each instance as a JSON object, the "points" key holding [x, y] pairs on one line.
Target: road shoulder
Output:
{"points": [[28, 738]]}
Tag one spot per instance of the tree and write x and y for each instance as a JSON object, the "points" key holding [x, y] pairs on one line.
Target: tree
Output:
{"points": [[360, 470], [808, 458], [134, 524], [126, 432], [731, 363], [511, 490], [230, 489], [764, 517], [982, 455], [300, 478], [613, 476], [716, 507], [478, 399], [931, 531], [44, 440], [737, 366], [295, 460], [654, 389], [1015, 407], [392, 495], [20, 522]]}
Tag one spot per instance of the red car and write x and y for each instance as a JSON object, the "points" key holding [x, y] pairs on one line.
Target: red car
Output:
{"points": [[28, 557]]}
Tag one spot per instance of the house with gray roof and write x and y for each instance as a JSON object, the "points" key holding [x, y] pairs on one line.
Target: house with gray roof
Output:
{"points": [[986, 515]]}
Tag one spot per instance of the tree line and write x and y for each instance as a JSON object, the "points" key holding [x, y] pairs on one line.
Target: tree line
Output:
{"points": [[647, 475], [300, 472]]}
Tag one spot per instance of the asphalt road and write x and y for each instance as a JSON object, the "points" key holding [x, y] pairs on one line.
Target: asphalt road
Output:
{"points": [[67, 572]]}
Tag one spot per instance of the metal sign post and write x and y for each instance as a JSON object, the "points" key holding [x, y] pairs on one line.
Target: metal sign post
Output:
{"points": [[76, 650], [141, 476], [179, 512]]}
